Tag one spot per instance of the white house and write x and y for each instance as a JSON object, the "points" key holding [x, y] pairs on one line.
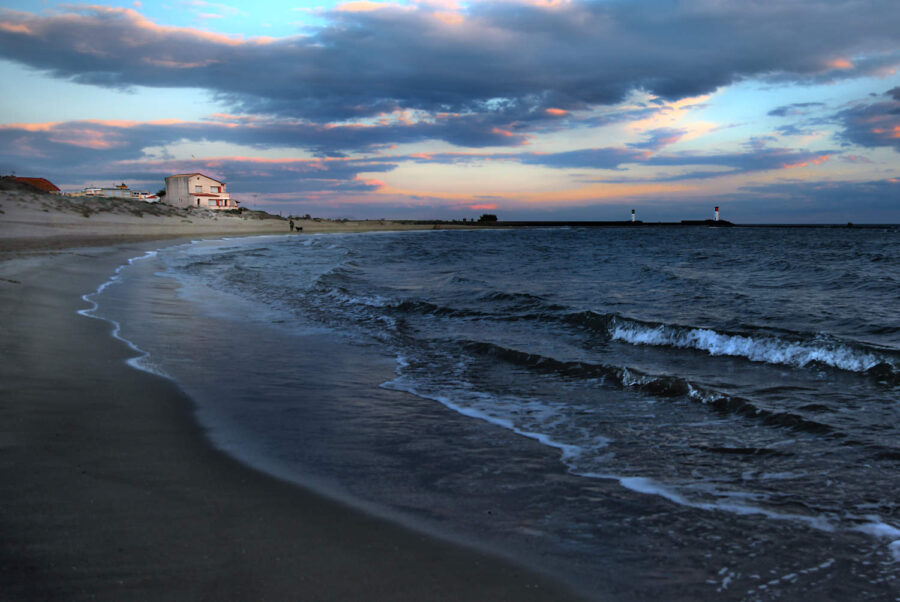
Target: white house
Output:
{"points": [[197, 190]]}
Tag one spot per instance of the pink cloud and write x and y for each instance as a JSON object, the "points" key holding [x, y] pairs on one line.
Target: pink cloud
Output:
{"points": [[449, 18], [364, 6], [840, 64], [816, 161], [13, 28], [31, 127], [87, 138]]}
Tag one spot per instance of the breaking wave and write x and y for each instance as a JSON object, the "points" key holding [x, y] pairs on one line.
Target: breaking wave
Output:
{"points": [[772, 349]]}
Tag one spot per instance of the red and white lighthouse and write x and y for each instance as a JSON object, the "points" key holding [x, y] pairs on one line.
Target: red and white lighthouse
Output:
{"points": [[717, 214]]}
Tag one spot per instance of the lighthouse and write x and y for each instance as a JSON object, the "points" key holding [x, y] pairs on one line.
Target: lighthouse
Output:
{"points": [[632, 216], [717, 214]]}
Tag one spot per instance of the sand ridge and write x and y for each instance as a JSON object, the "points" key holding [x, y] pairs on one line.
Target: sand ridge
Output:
{"points": [[33, 220]]}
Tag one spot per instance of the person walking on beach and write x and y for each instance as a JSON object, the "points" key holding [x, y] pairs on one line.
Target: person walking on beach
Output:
{"points": [[291, 224]]}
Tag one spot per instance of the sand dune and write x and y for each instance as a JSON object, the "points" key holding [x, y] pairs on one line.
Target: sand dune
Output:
{"points": [[32, 220]]}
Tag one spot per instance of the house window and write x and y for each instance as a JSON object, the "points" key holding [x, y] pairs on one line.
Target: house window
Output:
{"points": [[198, 189], [215, 189]]}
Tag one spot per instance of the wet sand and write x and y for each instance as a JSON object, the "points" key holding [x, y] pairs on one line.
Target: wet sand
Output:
{"points": [[110, 490]]}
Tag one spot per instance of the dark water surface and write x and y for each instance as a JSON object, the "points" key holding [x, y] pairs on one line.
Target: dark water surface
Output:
{"points": [[651, 413]]}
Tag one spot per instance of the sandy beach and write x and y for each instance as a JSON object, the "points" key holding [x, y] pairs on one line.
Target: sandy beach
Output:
{"points": [[110, 490], [32, 220]]}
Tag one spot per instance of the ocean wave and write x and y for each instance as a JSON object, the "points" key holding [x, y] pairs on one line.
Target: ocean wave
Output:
{"points": [[771, 350], [663, 386], [501, 410], [730, 404], [519, 301], [798, 352], [415, 306], [544, 364]]}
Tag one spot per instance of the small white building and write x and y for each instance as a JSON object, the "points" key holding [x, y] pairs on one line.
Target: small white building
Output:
{"points": [[197, 190]]}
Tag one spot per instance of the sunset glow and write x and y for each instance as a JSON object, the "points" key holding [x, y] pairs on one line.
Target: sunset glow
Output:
{"points": [[557, 109]]}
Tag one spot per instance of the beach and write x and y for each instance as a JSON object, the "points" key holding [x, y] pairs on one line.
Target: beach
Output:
{"points": [[33, 220], [229, 410], [111, 490]]}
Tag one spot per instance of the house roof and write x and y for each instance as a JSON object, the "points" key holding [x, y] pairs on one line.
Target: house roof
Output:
{"points": [[42, 184], [196, 173]]}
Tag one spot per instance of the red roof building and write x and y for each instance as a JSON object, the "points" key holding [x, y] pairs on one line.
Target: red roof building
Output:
{"points": [[41, 184]]}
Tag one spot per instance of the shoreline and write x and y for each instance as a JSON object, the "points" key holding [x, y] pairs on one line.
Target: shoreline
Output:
{"points": [[113, 491]]}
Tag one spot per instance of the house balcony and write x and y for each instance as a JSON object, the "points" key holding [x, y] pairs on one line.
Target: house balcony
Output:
{"points": [[213, 200]]}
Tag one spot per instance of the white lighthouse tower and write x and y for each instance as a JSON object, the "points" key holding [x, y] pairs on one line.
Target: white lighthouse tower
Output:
{"points": [[632, 216], [717, 214]]}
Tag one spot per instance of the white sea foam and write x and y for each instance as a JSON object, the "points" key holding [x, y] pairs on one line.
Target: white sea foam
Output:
{"points": [[141, 361], [653, 487], [467, 401], [882, 530], [772, 350], [476, 405], [894, 547]]}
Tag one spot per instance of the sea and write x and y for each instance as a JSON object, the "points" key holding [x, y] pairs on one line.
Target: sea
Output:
{"points": [[681, 413]]}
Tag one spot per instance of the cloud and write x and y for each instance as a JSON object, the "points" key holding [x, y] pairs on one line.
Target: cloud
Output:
{"points": [[797, 108], [873, 124], [296, 177], [757, 159], [591, 158], [660, 138], [107, 148], [820, 202], [511, 61], [98, 140]]}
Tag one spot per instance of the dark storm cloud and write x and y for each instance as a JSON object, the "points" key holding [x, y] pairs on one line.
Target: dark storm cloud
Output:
{"points": [[503, 59]]}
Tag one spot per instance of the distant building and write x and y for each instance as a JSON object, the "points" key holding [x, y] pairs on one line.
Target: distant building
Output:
{"points": [[120, 191], [197, 190], [41, 184]]}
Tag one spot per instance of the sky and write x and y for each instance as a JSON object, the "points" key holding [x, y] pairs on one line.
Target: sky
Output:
{"points": [[781, 111]]}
